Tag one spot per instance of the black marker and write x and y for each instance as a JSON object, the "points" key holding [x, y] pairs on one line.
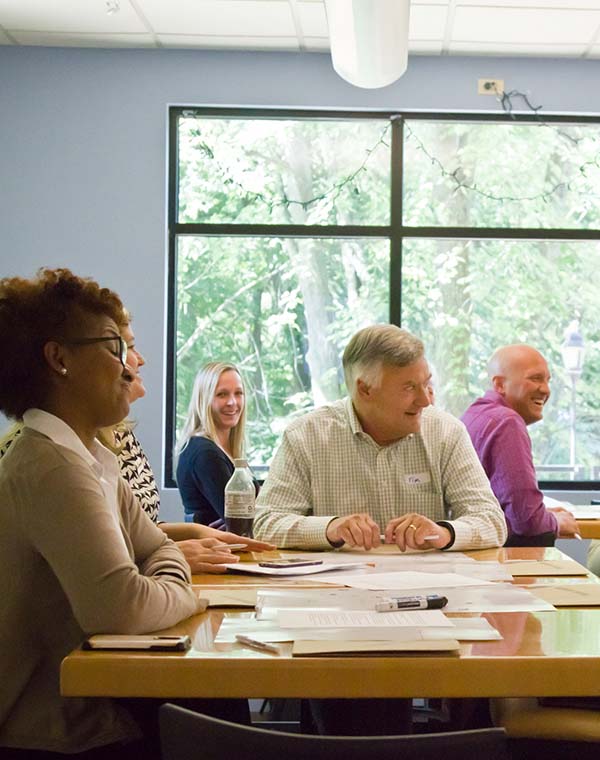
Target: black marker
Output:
{"points": [[431, 602]]}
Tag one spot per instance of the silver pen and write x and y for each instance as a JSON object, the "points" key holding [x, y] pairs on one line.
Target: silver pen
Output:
{"points": [[261, 646], [425, 538]]}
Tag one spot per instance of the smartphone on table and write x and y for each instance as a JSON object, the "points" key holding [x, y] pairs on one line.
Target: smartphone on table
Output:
{"points": [[290, 562], [138, 643]]}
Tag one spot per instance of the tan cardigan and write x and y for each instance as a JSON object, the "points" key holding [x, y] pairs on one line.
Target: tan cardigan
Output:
{"points": [[68, 570]]}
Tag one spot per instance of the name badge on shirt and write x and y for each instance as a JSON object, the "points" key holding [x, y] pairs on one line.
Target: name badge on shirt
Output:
{"points": [[417, 479]]}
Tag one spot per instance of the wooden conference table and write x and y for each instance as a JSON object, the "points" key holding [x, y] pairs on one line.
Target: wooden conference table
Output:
{"points": [[548, 653], [589, 528]]}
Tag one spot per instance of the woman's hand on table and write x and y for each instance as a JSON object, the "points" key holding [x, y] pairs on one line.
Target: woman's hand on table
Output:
{"points": [[252, 545], [207, 555]]}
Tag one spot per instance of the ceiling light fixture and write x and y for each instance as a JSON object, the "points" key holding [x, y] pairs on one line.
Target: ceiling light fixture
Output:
{"points": [[369, 40]]}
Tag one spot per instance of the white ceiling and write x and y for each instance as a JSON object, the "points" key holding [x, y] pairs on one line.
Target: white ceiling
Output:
{"points": [[455, 27]]}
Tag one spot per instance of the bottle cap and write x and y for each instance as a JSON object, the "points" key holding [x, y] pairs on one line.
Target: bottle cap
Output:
{"points": [[240, 463]]}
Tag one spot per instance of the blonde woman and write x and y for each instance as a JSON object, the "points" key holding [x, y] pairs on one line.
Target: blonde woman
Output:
{"points": [[212, 437]]}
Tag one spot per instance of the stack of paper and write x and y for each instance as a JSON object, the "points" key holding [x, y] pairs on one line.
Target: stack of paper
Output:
{"points": [[493, 597], [255, 568], [544, 567], [321, 648], [570, 594], [409, 580], [579, 511]]}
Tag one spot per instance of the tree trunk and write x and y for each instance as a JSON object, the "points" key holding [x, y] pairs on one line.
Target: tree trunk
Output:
{"points": [[310, 268]]}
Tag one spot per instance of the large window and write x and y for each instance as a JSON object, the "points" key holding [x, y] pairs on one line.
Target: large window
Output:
{"points": [[288, 231]]}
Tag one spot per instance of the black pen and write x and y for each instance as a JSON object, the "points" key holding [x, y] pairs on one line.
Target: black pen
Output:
{"points": [[430, 602]]}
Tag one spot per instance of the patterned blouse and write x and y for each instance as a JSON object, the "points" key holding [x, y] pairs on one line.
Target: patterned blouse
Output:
{"points": [[133, 463], [136, 470]]}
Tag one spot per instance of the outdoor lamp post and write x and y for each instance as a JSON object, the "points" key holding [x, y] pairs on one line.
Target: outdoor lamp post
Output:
{"points": [[573, 351]]}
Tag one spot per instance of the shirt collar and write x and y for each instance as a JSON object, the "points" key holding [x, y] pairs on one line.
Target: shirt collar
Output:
{"points": [[357, 428], [355, 425], [58, 431], [496, 397]]}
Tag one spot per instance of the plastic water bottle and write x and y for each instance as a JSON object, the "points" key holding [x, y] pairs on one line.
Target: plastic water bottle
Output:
{"points": [[240, 497]]}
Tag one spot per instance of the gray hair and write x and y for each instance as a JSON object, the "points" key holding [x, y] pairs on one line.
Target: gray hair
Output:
{"points": [[374, 346]]}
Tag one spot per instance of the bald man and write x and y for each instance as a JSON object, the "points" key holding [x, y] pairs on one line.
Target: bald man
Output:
{"points": [[497, 423]]}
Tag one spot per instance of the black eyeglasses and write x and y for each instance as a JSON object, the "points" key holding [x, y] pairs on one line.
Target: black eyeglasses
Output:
{"points": [[119, 347]]}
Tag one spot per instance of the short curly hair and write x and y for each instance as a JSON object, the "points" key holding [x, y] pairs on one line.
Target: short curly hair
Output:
{"points": [[33, 312]]}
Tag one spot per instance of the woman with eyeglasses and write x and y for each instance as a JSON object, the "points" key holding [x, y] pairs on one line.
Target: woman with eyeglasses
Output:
{"points": [[78, 556], [205, 548]]}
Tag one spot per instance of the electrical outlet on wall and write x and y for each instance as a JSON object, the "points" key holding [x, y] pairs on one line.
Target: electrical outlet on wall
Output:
{"points": [[490, 86]]}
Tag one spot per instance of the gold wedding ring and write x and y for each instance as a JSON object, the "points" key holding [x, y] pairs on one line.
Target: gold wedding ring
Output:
{"points": [[414, 527]]}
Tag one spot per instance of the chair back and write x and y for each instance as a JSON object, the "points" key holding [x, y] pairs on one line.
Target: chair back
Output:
{"points": [[186, 735]]}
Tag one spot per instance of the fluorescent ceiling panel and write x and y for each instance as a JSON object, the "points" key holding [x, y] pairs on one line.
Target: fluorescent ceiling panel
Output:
{"points": [[316, 44], [313, 19], [220, 17], [427, 22], [424, 47], [567, 5], [228, 42], [60, 39], [508, 49], [68, 16], [524, 26]]}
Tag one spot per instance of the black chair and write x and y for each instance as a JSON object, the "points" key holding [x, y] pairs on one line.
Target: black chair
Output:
{"points": [[541, 539], [555, 729], [186, 735]]}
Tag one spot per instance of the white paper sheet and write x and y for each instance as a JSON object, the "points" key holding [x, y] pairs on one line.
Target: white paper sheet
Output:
{"points": [[253, 568], [497, 597], [310, 648], [399, 581], [387, 551], [579, 511], [363, 619], [396, 560], [500, 597], [465, 629]]}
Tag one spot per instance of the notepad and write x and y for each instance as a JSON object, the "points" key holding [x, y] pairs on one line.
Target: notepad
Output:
{"points": [[223, 597], [363, 619], [569, 595], [323, 648], [410, 580], [545, 567], [253, 568], [579, 511]]}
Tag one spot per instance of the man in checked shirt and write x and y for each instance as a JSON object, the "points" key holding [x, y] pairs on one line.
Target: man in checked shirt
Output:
{"points": [[383, 462]]}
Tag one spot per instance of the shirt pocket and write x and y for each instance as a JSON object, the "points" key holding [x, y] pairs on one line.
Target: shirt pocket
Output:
{"points": [[424, 499]]}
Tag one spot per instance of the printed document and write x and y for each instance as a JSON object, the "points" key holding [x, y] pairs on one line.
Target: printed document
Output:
{"points": [[400, 581], [362, 619]]}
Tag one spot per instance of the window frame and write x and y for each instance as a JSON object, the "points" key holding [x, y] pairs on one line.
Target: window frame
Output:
{"points": [[395, 231]]}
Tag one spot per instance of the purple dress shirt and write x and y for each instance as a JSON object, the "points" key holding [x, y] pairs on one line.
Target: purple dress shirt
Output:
{"points": [[502, 443]]}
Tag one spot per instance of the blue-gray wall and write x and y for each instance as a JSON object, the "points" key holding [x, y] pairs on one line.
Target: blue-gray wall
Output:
{"points": [[83, 155]]}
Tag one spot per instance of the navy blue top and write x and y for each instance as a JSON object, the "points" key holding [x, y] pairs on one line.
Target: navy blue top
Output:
{"points": [[203, 470]]}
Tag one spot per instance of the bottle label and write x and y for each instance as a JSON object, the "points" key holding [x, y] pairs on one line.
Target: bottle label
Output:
{"points": [[239, 505]]}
